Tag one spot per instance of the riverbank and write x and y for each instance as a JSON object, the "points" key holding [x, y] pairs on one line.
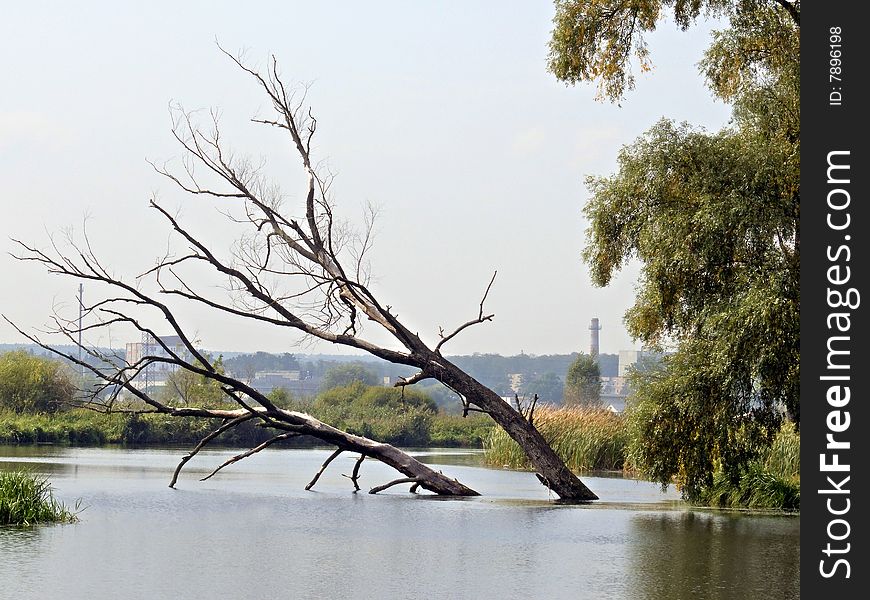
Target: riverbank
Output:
{"points": [[80, 427], [587, 440]]}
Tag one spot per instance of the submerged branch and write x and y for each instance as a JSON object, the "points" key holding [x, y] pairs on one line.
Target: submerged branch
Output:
{"points": [[325, 464], [354, 476], [224, 427], [252, 451], [415, 480]]}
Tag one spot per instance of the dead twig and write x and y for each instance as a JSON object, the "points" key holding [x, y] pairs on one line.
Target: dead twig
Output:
{"points": [[354, 476]]}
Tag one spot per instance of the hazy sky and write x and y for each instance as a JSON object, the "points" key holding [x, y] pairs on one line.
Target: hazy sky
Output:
{"points": [[442, 114]]}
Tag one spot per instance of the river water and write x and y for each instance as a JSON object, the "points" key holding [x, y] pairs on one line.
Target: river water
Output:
{"points": [[252, 531]]}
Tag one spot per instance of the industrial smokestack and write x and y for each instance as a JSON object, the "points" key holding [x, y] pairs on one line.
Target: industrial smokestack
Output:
{"points": [[593, 345]]}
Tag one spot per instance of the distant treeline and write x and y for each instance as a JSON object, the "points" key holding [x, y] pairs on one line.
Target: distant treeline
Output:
{"points": [[542, 374]]}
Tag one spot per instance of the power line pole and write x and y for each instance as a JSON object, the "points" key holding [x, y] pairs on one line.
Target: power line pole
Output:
{"points": [[81, 311]]}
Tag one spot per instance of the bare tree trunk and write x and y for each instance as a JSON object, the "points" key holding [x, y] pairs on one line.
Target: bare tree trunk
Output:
{"points": [[552, 469]]}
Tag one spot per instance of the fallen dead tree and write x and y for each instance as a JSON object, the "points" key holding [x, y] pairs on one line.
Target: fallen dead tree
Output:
{"points": [[305, 273], [254, 405]]}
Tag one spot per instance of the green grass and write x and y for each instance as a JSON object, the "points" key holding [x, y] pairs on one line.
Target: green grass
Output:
{"points": [[448, 431], [771, 482], [586, 439], [81, 427], [26, 499]]}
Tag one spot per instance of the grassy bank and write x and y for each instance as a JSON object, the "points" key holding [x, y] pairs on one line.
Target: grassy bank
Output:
{"points": [[773, 481], [26, 499], [84, 427], [586, 439]]}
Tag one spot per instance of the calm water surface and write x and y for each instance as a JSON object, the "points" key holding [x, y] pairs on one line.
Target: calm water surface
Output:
{"points": [[253, 532]]}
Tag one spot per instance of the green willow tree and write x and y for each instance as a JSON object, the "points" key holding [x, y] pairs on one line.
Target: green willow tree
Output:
{"points": [[583, 383], [713, 219]]}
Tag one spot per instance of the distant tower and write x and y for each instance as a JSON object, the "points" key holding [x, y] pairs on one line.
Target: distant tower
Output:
{"points": [[593, 345]]}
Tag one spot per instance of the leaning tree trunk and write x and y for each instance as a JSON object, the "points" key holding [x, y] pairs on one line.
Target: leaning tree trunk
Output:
{"points": [[551, 469]]}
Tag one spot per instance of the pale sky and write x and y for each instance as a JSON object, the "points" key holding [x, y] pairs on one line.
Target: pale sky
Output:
{"points": [[442, 114]]}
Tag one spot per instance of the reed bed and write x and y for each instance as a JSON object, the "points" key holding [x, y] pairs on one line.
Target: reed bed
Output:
{"points": [[587, 439], [26, 499], [773, 481]]}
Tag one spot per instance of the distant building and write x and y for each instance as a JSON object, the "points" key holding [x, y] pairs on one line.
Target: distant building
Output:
{"points": [[292, 381], [616, 390], [636, 359], [615, 404], [155, 373], [616, 386]]}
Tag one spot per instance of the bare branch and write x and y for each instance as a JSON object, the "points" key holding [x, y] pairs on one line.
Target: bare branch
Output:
{"points": [[480, 318], [417, 377], [224, 427], [381, 488], [325, 464], [252, 451], [354, 476]]}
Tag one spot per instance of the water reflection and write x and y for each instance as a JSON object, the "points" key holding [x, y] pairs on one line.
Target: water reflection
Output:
{"points": [[253, 532], [692, 554]]}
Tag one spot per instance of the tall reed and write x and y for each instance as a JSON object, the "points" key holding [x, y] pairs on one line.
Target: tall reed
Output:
{"points": [[586, 439], [784, 456], [26, 499]]}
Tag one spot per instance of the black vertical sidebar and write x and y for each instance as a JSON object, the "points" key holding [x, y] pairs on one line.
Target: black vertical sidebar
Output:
{"points": [[835, 300]]}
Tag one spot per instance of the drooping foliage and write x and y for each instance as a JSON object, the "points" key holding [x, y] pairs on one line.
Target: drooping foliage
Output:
{"points": [[714, 220], [600, 40]]}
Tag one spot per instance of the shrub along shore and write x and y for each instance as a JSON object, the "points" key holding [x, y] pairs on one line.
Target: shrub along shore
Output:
{"points": [[80, 427]]}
